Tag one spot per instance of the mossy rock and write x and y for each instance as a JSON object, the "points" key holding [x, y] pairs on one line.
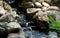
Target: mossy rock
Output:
{"points": [[27, 4]]}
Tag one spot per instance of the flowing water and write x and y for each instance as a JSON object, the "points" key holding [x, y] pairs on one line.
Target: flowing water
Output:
{"points": [[36, 34]]}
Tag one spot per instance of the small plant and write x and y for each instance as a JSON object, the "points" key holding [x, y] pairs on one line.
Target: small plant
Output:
{"points": [[56, 24]]}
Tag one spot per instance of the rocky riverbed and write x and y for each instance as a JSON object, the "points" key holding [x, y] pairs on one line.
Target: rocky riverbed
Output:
{"points": [[32, 23]]}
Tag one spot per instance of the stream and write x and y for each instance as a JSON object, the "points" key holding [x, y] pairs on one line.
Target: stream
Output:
{"points": [[30, 31]]}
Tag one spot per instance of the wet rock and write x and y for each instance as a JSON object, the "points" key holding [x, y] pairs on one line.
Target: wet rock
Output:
{"points": [[30, 13], [53, 12], [14, 13], [4, 24], [42, 16], [52, 8], [45, 4], [41, 20], [1, 3], [2, 11], [6, 13], [38, 4], [44, 8], [7, 18], [15, 30], [57, 17], [31, 10], [12, 25], [7, 7]]}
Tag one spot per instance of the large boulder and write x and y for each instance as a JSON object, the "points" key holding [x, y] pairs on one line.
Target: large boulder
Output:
{"points": [[40, 19], [36, 12], [13, 25], [5, 6], [7, 14], [15, 30], [11, 30]]}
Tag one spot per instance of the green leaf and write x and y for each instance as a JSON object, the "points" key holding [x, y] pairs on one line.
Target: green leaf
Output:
{"points": [[56, 23]]}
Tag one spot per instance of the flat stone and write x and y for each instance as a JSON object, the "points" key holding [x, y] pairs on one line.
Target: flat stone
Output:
{"points": [[38, 4]]}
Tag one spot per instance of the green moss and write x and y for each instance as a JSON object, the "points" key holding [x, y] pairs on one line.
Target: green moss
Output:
{"points": [[27, 4]]}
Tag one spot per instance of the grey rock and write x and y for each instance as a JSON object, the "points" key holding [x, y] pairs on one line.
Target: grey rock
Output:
{"points": [[2, 11], [31, 10], [49, 1], [52, 8], [7, 7], [1, 3], [7, 18], [45, 4], [42, 16], [38, 4], [13, 25]]}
